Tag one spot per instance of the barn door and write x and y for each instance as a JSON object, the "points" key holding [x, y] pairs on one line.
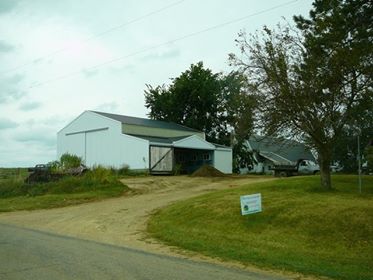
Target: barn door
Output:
{"points": [[161, 159]]}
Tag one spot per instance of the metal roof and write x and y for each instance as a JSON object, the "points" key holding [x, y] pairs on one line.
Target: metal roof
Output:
{"points": [[288, 149], [275, 158], [160, 140], [168, 141], [146, 122]]}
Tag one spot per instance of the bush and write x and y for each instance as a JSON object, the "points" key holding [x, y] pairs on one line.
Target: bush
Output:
{"points": [[68, 161], [54, 166], [101, 174]]}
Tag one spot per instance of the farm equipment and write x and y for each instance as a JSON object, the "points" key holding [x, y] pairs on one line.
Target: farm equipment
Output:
{"points": [[301, 167], [42, 173]]}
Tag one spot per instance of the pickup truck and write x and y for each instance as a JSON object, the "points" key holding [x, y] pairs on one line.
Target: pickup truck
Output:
{"points": [[302, 167]]}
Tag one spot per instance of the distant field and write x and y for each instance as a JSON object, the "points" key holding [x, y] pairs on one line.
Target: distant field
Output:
{"points": [[302, 228], [92, 186], [13, 173]]}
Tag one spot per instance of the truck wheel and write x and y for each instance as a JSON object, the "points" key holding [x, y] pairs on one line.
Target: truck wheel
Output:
{"points": [[283, 174]]}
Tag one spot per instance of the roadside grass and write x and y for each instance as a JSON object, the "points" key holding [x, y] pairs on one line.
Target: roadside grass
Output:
{"points": [[302, 227], [92, 186]]}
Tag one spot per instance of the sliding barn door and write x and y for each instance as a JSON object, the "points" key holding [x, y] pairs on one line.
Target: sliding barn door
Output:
{"points": [[161, 159]]}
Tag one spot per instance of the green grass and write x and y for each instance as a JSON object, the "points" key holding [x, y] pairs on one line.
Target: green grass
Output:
{"points": [[9, 173], [92, 186], [302, 228]]}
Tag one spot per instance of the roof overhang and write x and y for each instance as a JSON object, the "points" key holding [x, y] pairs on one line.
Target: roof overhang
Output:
{"points": [[187, 142], [193, 142]]}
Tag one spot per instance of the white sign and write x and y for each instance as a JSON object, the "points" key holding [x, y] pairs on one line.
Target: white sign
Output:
{"points": [[251, 203]]}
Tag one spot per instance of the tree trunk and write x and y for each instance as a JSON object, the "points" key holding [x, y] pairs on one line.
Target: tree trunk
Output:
{"points": [[324, 161]]}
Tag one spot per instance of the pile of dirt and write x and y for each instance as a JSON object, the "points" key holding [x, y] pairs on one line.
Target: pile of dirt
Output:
{"points": [[207, 171]]}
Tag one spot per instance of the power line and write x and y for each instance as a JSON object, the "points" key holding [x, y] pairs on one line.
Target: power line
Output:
{"points": [[64, 76], [101, 34]]}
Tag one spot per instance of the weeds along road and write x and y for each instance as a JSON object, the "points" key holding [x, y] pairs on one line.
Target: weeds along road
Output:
{"points": [[30, 254], [122, 221]]}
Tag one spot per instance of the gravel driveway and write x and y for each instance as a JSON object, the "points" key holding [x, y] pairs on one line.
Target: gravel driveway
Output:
{"points": [[122, 221]]}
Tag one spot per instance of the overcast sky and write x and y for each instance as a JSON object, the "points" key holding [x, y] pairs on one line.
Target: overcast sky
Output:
{"points": [[60, 58]]}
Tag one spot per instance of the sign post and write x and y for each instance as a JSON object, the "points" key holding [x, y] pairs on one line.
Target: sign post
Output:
{"points": [[251, 204]]}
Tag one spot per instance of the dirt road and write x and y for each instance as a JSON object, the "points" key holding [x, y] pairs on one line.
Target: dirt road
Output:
{"points": [[122, 221]]}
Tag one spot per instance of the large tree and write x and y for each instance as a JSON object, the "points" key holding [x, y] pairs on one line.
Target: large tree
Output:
{"points": [[214, 103], [192, 99], [314, 79]]}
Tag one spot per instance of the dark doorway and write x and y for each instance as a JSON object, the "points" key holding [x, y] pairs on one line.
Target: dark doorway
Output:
{"points": [[189, 160]]}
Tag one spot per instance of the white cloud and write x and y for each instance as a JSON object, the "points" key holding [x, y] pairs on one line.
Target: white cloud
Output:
{"points": [[45, 43], [10, 88], [7, 5], [5, 47], [28, 106], [7, 123]]}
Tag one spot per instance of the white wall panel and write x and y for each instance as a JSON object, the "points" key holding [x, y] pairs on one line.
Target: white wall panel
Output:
{"points": [[99, 141], [223, 160], [72, 144]]}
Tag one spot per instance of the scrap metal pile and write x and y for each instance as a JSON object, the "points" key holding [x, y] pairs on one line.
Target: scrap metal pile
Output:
{"points": [[42, 173]]}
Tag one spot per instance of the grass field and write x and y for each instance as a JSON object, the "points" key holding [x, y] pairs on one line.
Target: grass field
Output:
{"points": [[302, 228], [92, 186], [12, 173]]}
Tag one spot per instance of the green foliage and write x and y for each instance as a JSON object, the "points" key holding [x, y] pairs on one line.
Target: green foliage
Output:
{"points": [[12, 173], [314, 80], [54, 166], [214, 103], [345, 150], [100, 174], [11, 187], [303, 227], [68, 161], [95, 179], [96, 184], [58, 200], [191, 100]]}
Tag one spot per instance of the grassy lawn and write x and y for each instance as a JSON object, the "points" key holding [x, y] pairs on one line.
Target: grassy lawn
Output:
{"points": [[92, 186], [302, 228]]}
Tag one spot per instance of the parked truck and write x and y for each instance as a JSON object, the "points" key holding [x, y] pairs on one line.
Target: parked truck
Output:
{"points": [[302, 167]]}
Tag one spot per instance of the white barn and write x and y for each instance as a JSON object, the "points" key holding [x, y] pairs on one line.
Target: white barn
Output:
{"points": [[160, 147]]}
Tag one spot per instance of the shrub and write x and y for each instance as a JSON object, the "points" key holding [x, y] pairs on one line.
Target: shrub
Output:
{"points": [[54, 166], [68, 161], [100, 174]]}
